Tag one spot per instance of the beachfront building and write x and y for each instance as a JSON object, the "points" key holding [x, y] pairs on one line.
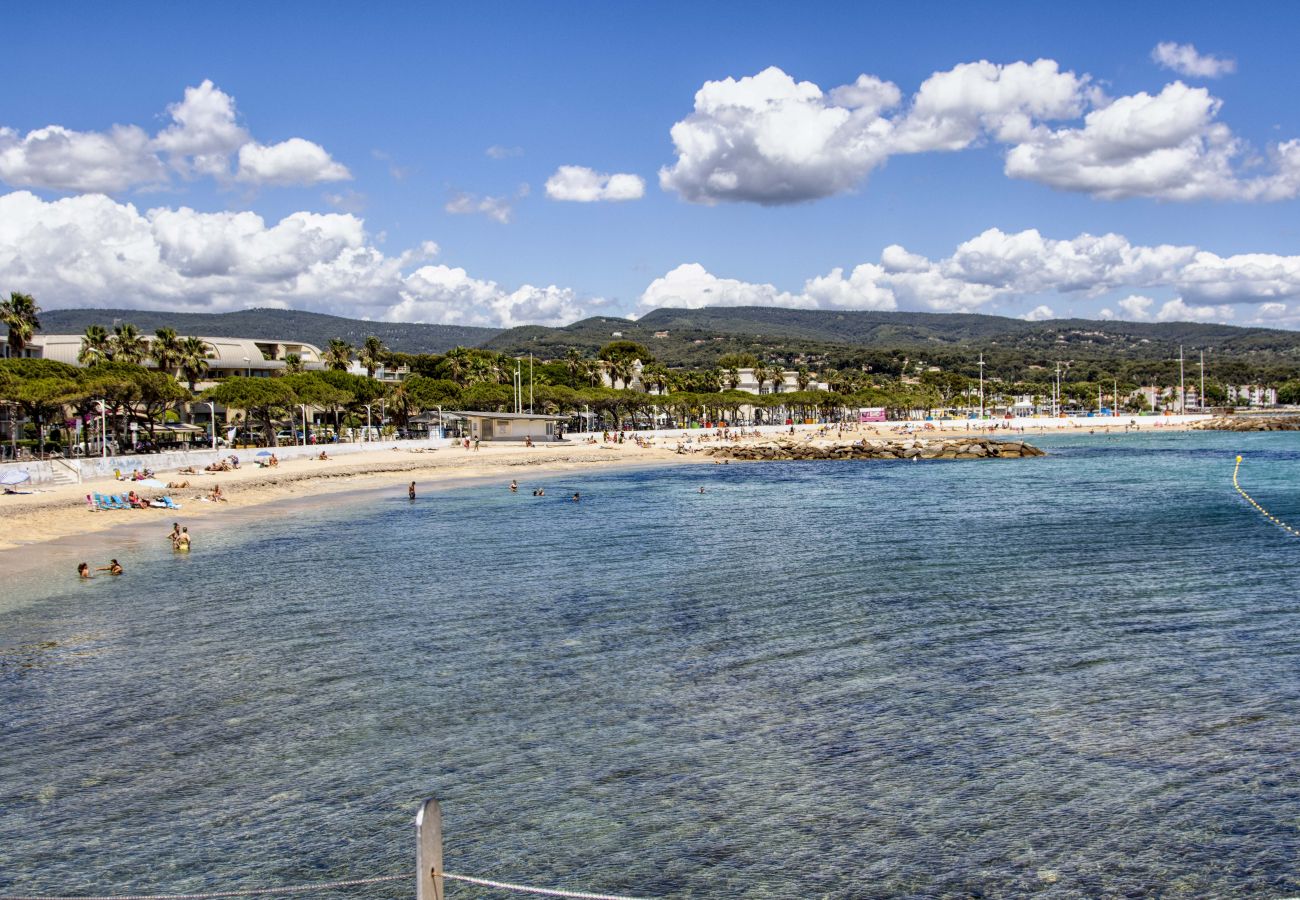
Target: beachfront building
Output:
{"points": [[1251, 395], [386, 374], [253, 357], [495, 426]]}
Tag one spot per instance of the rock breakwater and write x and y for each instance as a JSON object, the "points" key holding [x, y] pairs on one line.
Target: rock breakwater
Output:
{"points": [[902, 448], [1250, 423]]}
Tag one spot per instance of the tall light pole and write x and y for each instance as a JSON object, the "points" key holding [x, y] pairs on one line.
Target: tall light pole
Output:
{"points": [[103, 429], [304, 423], [1114, 400], [212, 421], [1182, 386], [367, 421], [981, 387], [1202, 381], [248, 367]]}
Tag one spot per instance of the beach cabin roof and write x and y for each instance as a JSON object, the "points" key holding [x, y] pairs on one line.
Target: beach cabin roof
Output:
{"points": [[474, 414]]}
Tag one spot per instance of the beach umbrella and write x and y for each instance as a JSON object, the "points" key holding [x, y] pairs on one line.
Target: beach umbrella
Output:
{"points": [[152, 483], [15, 476]]}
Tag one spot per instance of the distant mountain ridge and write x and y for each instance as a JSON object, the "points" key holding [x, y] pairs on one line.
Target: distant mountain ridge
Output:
{"points": [[274, 324], [697, 337]]}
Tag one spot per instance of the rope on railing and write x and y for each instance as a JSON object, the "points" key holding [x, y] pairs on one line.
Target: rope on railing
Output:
{"points": [[526, 889], [1265, 513]]}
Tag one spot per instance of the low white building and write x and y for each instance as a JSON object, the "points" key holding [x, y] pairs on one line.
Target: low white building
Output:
{"points": [[1251, 395]]}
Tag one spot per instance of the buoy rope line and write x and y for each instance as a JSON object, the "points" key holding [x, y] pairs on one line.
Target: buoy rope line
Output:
{"points": [[329, 885], [1262, 511]]}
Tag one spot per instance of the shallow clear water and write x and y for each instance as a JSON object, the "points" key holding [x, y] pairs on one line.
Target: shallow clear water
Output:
{"points": [[1071, 676]]}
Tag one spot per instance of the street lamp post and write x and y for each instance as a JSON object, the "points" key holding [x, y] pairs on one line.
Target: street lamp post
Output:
{"points": [[367, 421], [248, 366], [103, 429]]}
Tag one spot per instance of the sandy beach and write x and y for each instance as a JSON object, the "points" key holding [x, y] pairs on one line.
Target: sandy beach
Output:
{"points": [[53, 513]]}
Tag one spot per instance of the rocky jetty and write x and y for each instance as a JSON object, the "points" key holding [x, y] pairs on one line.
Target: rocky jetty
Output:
{"points": [[899, 448], [1250, 423]]}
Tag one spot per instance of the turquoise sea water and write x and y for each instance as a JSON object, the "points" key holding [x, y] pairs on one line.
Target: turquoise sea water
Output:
{"points": [[1069, 676]]}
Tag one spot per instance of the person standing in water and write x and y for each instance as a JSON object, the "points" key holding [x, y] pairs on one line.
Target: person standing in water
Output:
{"points": [[182, 540], [83, 571], [410, 492], [514, 486], [113, 568], [176, 532]]}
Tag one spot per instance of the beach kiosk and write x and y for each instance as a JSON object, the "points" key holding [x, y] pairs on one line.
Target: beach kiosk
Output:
{"points": [[495, 426]]}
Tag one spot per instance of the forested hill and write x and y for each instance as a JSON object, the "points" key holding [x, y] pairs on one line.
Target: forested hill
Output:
{"points": [[274, 324], [699, 336]]}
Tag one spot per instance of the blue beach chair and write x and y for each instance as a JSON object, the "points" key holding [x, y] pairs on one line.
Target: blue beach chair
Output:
{"points": [[170, 503], [119, 502], [101, 502]]}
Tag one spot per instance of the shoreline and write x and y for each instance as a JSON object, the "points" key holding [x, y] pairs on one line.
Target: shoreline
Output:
{"points": [[40, 519]]}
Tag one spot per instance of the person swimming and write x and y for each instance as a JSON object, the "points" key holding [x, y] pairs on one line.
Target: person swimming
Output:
{"points": [[113, 568], [576, 497], [514, 486], [83, 571]]}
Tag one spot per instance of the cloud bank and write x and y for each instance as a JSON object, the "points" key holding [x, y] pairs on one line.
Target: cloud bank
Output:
{"points": [[90, 250], [995, 268]]}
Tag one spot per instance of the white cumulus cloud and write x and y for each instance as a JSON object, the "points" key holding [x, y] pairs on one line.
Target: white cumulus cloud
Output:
{"points": [[1176, 310], [203, 137], [1186, 61], [498, 209], [1039, 313], [61, 159], [295, 161], [583, 185], [996, 268], [89, 250], [770, 139]]}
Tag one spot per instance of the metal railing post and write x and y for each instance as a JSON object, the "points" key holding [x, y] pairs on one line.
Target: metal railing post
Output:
{"points": [[428, 851]]}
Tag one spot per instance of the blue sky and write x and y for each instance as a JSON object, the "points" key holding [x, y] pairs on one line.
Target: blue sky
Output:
{"points": [[323, 150]]}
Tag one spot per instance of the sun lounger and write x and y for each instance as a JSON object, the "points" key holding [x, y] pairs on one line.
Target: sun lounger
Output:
{"points": [[119, 502], [170, 504], [101, 502]]}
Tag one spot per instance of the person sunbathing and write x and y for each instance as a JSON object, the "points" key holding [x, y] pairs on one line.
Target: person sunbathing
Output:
{"points": [[216, 494], [323, 455], [134, 499], [177, 485]]}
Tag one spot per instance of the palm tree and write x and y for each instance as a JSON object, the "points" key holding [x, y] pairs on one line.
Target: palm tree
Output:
{"points": [[803, 377], [192, 359], [96, 346], [21, 316], [165, 350], [761, 375], [731, 375], [128, 344], [655, 376], [621, 370], [338, 355], [292, 364], [372, 355], [574, 364], [457, 363]]}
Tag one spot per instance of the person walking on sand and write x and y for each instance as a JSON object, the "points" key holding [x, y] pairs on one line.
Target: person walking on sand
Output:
{"points": [[476, 445], [410, 491]]}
